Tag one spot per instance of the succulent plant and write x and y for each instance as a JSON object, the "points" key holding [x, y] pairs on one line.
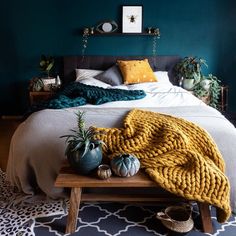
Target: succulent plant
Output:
{"points": [[81, 138]]}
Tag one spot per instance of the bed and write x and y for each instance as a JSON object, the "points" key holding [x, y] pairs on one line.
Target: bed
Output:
{"points": [[36, 151]]}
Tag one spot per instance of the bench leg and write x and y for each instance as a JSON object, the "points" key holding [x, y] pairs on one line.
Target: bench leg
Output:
{"points": [[75, 198], [205, 217]]}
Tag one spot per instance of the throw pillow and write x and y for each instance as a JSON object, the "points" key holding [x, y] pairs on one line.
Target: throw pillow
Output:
{"points": [[163, 77], [94, 82], [111, 76], [86, 73], [136, 71]]}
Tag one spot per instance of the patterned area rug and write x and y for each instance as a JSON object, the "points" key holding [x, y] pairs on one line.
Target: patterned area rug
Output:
{"points": [[22, 215]]}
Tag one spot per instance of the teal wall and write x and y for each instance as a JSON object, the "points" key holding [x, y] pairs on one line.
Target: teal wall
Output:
{"points": [[29, 28]]}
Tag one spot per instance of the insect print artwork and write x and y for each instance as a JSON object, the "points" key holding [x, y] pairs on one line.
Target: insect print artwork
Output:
{"points": [[132, 18]]}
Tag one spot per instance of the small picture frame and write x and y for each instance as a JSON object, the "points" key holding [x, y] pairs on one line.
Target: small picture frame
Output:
{"points": [[132, 19]]}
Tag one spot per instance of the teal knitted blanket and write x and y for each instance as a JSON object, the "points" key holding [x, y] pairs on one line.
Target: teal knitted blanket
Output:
{"points": [[78, 94]]}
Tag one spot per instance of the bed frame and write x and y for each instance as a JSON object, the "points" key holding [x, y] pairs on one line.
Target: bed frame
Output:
{"points": [[161, 63]]}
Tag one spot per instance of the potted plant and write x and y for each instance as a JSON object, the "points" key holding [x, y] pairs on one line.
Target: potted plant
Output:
{"points": [[189, 71], [208, 89], [205, 87], [83, 150], [46, 64]]}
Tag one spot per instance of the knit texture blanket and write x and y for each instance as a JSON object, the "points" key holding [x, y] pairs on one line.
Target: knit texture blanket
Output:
{"points": [[179, 155], [78, 94]]}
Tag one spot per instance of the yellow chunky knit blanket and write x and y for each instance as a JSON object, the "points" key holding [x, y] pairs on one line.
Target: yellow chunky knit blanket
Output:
{"points": [[179, 155]]}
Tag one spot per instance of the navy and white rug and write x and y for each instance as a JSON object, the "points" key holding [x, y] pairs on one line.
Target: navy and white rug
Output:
{"points": [[22, 215]]}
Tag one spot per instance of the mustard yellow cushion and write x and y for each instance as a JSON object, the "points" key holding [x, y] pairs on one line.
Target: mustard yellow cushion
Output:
{"points": [[136, 71]]}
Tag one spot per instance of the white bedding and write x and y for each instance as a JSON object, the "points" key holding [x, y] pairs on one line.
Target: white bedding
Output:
{"points": [[157, 95], [36, 151]]}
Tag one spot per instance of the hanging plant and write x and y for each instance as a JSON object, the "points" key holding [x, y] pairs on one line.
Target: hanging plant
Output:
{"points": [[85, 40], [156, 35]]}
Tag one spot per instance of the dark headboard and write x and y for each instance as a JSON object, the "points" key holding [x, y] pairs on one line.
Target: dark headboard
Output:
{"points": [[161, 63]]}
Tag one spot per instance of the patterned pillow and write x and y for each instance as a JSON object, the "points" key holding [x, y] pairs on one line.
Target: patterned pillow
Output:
{"points": [[136, 71]]}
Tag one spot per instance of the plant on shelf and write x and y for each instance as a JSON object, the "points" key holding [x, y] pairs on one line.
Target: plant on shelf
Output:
{"points": [[46, 64], [205, 87], [83, 150]]}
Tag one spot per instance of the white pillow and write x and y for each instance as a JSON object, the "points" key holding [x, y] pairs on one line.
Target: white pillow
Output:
{"points": [[162, 77], [94, 82], [86, 73]]}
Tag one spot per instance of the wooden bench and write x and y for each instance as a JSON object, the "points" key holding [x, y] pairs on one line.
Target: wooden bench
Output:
{"points": [[69, 179]]}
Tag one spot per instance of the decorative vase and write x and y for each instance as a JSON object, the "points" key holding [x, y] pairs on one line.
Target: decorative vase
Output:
{"points": [[125, 165], [104, 171], [188, 84], [48, 83], [84, 164], [58, 81]]}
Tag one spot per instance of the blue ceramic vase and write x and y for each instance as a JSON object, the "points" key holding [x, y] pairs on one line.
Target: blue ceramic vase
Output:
{"points": [[83, 165]]}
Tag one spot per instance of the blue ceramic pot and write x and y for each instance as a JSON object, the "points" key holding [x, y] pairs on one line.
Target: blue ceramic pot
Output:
{"points": [[89, 161]]}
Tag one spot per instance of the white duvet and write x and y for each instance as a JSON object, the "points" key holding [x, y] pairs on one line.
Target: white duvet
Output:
{"points": [[158, 94], [36, 151]]}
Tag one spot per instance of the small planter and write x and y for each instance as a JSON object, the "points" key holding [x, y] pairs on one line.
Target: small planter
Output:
{"points": [[188, 84], [104, 171], [89, 161]]}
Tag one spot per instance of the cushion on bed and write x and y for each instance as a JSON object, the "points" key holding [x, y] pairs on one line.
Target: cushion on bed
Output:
{"points": [[86, 73], [163, 77], [94, 82], [111, 76], [136, 71]]}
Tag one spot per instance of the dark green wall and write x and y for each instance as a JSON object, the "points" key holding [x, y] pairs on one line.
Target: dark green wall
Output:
{"points": [[29, 28]]}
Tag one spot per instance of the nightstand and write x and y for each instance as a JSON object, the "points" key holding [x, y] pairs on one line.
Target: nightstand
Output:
{"points": [[223, 99], [39, 96]]}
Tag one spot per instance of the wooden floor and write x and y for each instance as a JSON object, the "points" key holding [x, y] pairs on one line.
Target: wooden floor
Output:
{"points": [[7, 128]]}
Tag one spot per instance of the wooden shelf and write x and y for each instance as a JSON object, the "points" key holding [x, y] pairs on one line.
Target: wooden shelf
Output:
{"points": [[121, 34]]}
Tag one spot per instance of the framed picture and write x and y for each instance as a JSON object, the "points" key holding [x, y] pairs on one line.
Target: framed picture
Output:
{"points": [[132, 19]]}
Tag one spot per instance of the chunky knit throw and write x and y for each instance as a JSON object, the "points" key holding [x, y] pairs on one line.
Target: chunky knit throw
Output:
{"points": [[179, 155], [78, 94]]}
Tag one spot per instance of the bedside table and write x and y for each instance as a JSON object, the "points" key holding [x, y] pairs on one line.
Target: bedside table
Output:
{"points": [[39, 96], [223, 99]]}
